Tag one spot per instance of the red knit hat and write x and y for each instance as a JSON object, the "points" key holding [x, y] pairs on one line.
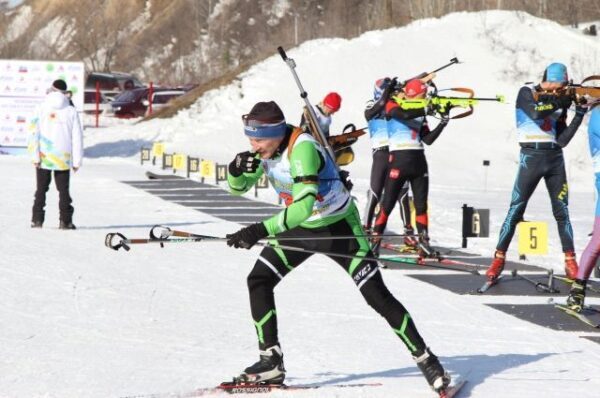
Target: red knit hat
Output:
{"points": [[333, 101], [414, 88]]}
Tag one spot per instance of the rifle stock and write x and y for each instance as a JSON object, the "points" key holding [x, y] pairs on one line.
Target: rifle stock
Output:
{"points": [[580, 93]]}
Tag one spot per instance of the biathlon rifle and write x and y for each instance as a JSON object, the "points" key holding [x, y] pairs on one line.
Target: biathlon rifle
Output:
{"points": [[347, 138], [581, 94], [426, 77], [309, 112], [442, 104]]}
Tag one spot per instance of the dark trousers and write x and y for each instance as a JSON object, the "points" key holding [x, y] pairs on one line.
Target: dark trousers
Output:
{"points": [[273, 265], [61, 179], [405, 166], [535, 164], [379, 172]]}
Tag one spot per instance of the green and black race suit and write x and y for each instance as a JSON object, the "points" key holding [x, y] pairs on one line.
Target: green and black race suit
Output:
{"points": [[317, 206], [309, 185]]}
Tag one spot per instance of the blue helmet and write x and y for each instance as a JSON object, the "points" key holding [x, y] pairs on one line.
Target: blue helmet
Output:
{"points": [[380, 86], [556, 73]]}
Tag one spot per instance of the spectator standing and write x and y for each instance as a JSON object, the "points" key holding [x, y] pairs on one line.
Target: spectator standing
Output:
{"points": [[56, 147]]}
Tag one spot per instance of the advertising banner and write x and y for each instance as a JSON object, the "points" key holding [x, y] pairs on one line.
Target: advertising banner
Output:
{"points": [[23, 85]]}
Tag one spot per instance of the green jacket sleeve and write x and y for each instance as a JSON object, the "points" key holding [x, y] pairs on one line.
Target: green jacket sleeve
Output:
{"points": [[242, 184], [305, 163]]}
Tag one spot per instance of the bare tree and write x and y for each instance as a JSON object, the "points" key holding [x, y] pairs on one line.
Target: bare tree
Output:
{"points": [[101, 30]]}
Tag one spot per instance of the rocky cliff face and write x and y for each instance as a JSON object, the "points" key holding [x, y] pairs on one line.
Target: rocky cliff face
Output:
{"points": [[177, 41]]}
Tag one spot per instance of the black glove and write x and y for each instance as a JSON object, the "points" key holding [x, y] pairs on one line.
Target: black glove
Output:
{"points": [[345, 178], [389, 89], [580, 108], [244, 162], [562, 102], [445, 117], [248, 236]]}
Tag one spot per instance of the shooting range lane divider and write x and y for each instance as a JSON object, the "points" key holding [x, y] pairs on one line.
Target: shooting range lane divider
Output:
{"points": [[209, 199]]}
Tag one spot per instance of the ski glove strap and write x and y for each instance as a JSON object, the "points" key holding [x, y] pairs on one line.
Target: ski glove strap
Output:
{"points": [[248, 236], [244, 162]]}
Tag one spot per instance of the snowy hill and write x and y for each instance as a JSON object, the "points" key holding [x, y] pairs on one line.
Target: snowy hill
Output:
{"points": [[79, 320], [499, 50]]}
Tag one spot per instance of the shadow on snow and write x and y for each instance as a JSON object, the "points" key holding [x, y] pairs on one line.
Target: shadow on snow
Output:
{"points": [[474, 368]]}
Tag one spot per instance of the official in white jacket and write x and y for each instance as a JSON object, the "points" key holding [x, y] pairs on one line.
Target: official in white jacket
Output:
{"points": [[56, 146]]}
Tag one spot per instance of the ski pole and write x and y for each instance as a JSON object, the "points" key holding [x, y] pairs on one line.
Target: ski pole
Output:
{"points": [[386, 259], [116, 240], [161, 232], [538, 285], [311, 112], [124, 243]]}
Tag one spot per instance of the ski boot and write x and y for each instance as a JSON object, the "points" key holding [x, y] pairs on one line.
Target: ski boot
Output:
{"points": [[497, 265], [571, 265], [268, 370], [66, 225], [577, 295], [425, 251], [410, 239], [433, 371]]}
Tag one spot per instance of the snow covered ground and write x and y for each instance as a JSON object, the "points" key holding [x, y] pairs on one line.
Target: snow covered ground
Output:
{"points": [[79, 320]]}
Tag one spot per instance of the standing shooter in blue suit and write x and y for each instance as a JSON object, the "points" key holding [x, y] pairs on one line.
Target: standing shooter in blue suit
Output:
{"points": [[542, 130]]}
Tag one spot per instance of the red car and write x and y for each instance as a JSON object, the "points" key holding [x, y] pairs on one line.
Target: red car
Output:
{"points": [[130, 103]]}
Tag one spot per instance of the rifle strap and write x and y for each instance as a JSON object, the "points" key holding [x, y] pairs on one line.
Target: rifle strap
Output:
{"points": [[471, 94], [589, 78], [293, 137]]}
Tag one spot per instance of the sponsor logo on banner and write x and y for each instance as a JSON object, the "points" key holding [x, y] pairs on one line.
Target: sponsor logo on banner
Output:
{"points": [[23, 85]]}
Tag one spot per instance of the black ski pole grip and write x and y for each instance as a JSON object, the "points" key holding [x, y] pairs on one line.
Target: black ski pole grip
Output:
{"points": [[108, 241], [282, 53], [164, 232]]}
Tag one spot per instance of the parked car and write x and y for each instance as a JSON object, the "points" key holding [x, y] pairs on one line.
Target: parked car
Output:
{"points": [[160, 99], [131, 103], [89, 102], [113, 83]]}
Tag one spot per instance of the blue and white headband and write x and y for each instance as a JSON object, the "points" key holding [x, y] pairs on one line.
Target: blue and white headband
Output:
{"points": [[258, 129]]}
